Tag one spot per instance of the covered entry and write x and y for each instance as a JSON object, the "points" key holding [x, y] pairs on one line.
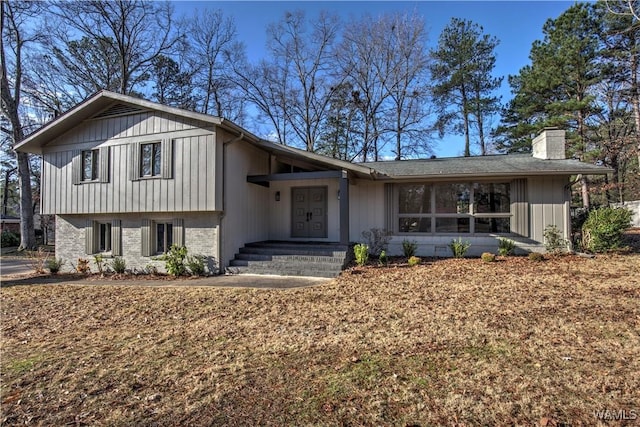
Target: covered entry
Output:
{"points": [[309, 212]]}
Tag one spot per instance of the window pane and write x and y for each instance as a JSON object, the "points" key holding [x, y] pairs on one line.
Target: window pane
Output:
{"points": [[156, 159], [492, 198], [94, 164], [160, 238], [452, 225], [493, 225], [414, 199], [452, 198], [169, 235], [414, 225], [87, 166], [105, 238], [146, 155]]}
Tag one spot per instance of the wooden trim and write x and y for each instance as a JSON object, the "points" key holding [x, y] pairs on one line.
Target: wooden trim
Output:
{"points": [[145, 237], [103, 166], [134, 161], [178, 231], [90, 236], [116, 237], [166, 156], [519, 207], [76, 167], [258, 179]]}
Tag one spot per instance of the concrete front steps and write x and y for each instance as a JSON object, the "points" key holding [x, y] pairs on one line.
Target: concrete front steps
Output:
{"points": [[290, 259]]}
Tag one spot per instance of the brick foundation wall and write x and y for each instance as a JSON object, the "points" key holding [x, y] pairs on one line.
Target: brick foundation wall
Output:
{"points": [[200, 237]]}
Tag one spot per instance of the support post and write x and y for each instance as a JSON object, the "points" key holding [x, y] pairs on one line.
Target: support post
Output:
{"points": [[344, 208]]}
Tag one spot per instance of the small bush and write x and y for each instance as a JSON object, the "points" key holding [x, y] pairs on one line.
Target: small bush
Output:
{"points": [[83, 266], [459, 248], [506, 246], [413, 261], [54, 265], [361, 252], [603, 229], [174, 260], [382, 259], [38, 260], [195, 264], [8, 239], [553, 241], [536, 256], [488, 257], [409, 248], [119, 265], [99, 260], [377, 240]]}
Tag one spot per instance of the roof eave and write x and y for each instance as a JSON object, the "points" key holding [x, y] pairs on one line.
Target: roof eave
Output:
{"points": [[603, 171], [94, 104]]}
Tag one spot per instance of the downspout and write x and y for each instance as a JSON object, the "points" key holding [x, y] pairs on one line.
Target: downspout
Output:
{"points": [[224, 198]]}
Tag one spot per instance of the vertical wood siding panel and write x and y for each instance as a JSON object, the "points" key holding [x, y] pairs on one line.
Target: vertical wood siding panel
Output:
{"points": [[195, 181], [186, 178], [116, 237], [211, 177], [202, 168]]}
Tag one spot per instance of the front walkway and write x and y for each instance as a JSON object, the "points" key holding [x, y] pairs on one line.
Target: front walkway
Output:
{"points": [[230, 281]]}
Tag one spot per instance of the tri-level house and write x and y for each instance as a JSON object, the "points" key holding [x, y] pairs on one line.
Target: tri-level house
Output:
{"points": [[128, 177]]}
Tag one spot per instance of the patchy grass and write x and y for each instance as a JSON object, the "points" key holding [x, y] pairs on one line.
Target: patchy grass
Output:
{"points": [[456, 342]]}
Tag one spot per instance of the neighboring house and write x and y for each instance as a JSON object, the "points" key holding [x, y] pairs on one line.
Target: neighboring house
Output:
{"points": [[128, 177], [10, 224]]}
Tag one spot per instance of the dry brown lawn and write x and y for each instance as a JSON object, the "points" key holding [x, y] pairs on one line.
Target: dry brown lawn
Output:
{"points": [[452, 342]]}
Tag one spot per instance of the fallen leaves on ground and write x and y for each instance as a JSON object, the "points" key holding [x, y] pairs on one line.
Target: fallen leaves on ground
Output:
{"points": [[455, 342]]}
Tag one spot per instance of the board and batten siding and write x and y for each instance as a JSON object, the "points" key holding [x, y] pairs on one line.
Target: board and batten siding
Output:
{"points": [[190, 188], [549, 200]]}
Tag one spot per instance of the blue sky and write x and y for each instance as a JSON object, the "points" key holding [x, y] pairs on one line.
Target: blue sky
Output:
{"points": [[517, 24]]}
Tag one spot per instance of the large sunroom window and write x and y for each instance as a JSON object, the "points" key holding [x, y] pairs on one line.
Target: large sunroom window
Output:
{"points": [[454, 208]]}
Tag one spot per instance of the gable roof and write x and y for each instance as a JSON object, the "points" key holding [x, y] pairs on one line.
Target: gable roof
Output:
{"points": [[110, 104], [483, 166]]}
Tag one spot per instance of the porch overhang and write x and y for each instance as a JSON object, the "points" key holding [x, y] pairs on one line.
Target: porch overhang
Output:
{"points": [[264, 180], [341, 175]]}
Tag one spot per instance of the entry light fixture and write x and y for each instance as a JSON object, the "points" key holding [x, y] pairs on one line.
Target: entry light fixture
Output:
{"points": [[277, 196]]}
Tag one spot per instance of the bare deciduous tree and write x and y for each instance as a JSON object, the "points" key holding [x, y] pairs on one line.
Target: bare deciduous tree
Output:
{"points": [[17, 33]]}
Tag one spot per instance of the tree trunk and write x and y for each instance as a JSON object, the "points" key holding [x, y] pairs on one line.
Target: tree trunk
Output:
{"points": [[584, 186]]}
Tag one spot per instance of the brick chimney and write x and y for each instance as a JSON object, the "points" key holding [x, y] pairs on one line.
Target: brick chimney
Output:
{"points": [[549, 145]]}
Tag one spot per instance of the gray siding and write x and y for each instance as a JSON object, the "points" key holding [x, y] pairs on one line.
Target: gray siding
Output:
{"points": [[246, 210], [548, 205], [191, 188]]}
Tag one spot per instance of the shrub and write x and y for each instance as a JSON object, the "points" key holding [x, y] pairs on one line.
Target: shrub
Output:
{"points": [[506, 246], [382, 259], [9, 239], [54, 265], [413, 261], [361, 252], [174, 260], [38, 260], [603, 229], [99, 260], [536, 256], [195, 264], [83, 266], [409, 248], [119, 265], [553, 241], [488, 257], [459, 248], [377, 240]]}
